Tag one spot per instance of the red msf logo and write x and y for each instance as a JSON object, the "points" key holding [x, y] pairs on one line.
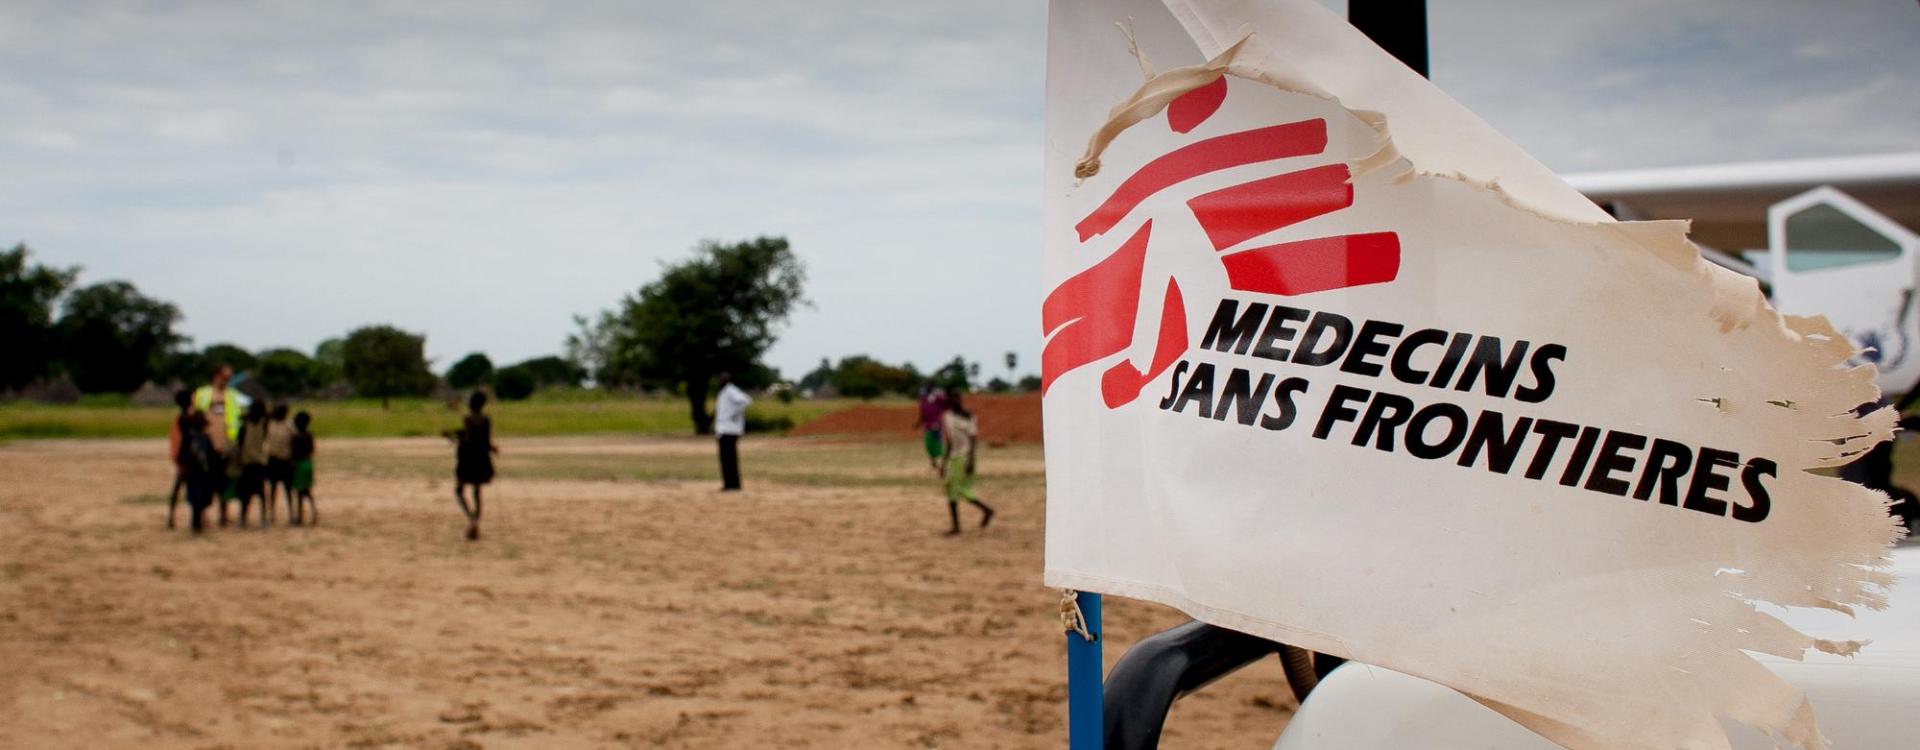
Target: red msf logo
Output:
{"points": [[1090, 317]]}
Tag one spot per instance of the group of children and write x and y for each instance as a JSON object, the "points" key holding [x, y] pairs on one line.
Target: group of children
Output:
{"points": [[266, 456], [951, 436], [260, 456]]}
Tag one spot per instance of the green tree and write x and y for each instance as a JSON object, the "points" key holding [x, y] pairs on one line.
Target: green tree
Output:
{"points": [[230, 355], [757, 376], [861, 376], [28, 294], [113, 338], [183, 365], [521, 380], [472, 371], [514, 383], [715, 312], [955, 374], [331, 357], [287, 373], [332, 353], [590, 347], [549, 372], [820, 376], [383, 362]]}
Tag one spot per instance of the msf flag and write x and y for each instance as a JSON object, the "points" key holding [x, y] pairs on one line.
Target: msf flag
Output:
{"points": [[1330, 361]]}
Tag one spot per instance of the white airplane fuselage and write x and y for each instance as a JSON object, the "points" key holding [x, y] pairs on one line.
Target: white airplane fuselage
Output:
{"points": [[1826, 251], [1869, 296]]}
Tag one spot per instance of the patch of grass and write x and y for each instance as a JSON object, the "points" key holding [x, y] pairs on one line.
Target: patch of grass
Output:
{"points": [[562, 413], [146, 499], [815, 464]]}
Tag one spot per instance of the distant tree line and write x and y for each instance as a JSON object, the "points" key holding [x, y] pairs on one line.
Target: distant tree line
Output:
{"points": [[515, 382], [861, 376], [110, 338], [106, 337], [719, 310]]}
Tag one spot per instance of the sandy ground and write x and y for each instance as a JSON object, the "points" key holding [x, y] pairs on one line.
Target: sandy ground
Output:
{"points": [[615, 600]]}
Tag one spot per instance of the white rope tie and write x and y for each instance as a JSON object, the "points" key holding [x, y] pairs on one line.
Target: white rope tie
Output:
{"points": [[1072, 619]]}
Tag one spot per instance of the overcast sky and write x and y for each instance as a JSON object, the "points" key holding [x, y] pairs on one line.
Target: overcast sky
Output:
{"points": [[482, 171]]}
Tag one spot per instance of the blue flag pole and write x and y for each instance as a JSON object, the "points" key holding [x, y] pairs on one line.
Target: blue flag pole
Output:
{"points": [[1086, 703]]}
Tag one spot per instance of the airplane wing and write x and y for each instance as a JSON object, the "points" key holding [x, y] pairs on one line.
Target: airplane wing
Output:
{"points": [[1728, 202]]}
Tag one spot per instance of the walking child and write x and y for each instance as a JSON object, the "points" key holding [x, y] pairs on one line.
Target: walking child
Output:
{"points": [[280, 461], [252, 452], [957, 465], [300, 483], [473, 459]]}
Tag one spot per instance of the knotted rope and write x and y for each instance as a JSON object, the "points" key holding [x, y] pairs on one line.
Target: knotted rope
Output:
{"points": [[1071, 619]]}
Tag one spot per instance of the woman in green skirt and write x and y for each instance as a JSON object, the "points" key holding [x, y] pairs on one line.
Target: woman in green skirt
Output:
{"points": [[956, 466]]}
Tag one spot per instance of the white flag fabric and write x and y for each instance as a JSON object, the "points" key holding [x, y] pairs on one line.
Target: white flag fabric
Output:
{"points": [[1331, 361]]}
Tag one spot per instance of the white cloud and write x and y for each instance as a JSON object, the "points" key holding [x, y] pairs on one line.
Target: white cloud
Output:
{"points": [[481, 172]]}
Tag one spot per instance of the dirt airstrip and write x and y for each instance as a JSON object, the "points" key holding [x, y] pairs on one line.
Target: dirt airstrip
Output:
{"points": [[616, 600]]}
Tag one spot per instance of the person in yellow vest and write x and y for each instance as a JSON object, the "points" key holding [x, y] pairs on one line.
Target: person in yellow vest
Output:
{"points": [[223, 406]]}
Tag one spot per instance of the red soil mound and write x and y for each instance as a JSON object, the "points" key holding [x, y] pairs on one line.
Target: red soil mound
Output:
{"points": [[1003, 419]]}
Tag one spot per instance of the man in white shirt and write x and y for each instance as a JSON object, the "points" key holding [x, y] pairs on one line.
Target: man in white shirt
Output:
{"points": [[729, 422]]}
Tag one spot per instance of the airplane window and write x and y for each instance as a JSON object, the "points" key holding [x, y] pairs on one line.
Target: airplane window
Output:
{"points": [[1822, 236]]}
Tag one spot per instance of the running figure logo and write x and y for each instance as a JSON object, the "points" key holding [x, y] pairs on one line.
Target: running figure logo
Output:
{"points": [[1090, 316]]}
